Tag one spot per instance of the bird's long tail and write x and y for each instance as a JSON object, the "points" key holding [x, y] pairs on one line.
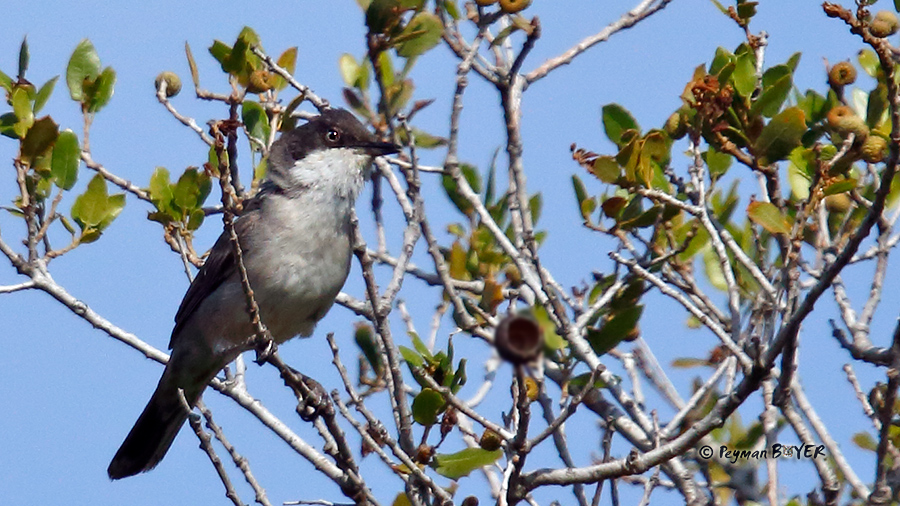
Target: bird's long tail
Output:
{"points": [[155, 429]]}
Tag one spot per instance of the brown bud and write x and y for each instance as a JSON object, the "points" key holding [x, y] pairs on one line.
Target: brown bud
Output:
{"points": [[841, 74], [490, 440], [884, 24], [424, 453], [844, 121], [838, 203], [519, 339], [873, 149], [173, 83], [448, 421], [260, 82]]}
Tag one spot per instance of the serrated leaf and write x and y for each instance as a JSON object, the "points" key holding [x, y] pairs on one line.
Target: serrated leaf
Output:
{"points": [[781, 135], [43, 94], [617, 120], [769, 217], [65, 160], [83, 64], [459, 464], [428, 28], [426, 406]]}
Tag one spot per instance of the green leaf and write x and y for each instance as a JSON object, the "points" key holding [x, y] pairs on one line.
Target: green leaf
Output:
{"points": [[717, 162], [459, 464], [615, 329], [8, 123], [22, 109], [606, 169], [349, 69], [98, 92], [254, 117], [426, 406], [160, 189], [428, 28], [84, 64], [287, 61], [768, 217], [776, 86], [220, 51], [869, 62], [365, 340], [94, 209], [420, 346], [43, 94], [191, 189], [745, 74], [66, 159], [800, 171], [722, 8], [40, 138], [616, 120], [382, 16], [840, 187], [5, 82], [781, 135], [865, 440], [23, 58], [411, 357], [713, 269], [452, 189]]}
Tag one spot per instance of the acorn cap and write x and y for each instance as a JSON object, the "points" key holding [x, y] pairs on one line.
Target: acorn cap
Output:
{"points": [[519, 339]]}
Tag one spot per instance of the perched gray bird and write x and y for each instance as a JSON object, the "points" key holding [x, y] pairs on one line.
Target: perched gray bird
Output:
{"points": [[295, 237]]}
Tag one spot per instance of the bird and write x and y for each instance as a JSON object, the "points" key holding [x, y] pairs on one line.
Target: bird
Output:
{"points": [[296, 248]]}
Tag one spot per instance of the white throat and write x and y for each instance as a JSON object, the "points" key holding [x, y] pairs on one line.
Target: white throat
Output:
{"points": [[337, 170]]}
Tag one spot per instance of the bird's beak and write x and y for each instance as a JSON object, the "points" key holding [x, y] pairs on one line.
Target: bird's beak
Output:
{"points": [[380, 148]]}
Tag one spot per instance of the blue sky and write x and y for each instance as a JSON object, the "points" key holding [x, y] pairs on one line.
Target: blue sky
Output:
{"points": [[70, 393]]}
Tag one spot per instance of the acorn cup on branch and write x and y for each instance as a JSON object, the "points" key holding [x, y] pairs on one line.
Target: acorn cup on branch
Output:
{"points": [[519, 339]]}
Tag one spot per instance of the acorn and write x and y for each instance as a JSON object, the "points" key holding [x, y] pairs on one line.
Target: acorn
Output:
{"points": [[841, 74], [514, 6], [490, 440], [873, 149], [675, 126], [884, 24], [838, 203], [844, 121], [173, 83]]}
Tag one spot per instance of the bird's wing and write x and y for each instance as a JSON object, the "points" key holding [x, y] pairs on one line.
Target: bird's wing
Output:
{"points": [[219, 266]]}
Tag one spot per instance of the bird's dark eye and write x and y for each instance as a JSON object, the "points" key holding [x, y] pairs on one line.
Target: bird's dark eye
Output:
{"points": [[332, 135]]}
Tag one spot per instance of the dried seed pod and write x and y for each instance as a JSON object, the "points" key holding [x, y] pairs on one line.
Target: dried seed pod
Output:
{"points": [[841, 74]]}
